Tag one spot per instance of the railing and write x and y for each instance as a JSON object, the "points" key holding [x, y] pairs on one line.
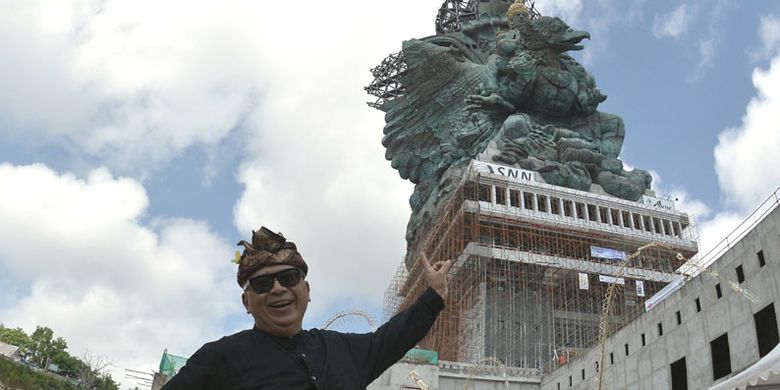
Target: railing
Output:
{"points": [[737, 234]]}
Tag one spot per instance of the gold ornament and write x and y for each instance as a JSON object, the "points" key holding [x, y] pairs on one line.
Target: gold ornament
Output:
{"points": [[518, 7]]}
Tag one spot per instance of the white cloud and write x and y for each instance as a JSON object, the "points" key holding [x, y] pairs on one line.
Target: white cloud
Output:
{"points": [[746, 157], [769, 32], [673, 24], [99, 277], [568, 10], [130, 83]]}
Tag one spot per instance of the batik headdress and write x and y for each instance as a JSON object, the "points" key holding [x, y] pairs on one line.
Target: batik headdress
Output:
{"points": [[267, 249]]}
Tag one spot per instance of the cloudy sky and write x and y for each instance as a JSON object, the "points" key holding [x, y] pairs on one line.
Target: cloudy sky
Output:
{"points": [[140, 140]]}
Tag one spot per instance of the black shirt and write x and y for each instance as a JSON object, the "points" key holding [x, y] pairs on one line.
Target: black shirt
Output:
{"points": [[313, 359]]}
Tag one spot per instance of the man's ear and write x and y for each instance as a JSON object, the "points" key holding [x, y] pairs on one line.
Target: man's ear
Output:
{"points": [[308, 287], [245, 301]]}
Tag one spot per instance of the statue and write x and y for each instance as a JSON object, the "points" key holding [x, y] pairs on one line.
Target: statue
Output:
{"points": [[501, 87]]}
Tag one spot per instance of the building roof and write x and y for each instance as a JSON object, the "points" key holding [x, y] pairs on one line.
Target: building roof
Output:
{"points": [[8, 350]]}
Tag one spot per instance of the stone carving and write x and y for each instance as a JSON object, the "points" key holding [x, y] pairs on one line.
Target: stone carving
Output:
{"points": [[502, 87]]}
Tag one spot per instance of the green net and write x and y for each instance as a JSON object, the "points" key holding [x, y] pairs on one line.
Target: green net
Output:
{"points": [[171, 364], [422, 356]]}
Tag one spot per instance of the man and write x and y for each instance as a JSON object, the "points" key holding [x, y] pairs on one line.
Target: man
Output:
{"points": [[277, 354]]}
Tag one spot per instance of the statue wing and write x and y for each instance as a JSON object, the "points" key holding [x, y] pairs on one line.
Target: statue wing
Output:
{"points": [[429, 127]]}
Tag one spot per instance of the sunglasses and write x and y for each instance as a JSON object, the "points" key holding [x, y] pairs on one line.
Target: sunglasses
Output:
{"points": [[264, 283]]}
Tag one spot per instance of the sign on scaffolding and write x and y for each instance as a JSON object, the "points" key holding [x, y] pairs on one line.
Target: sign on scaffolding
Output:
{"points": [[665, 292], [607, 253], [583, 281], [658, 203], [640, 288], [611, 280], [515, 174]]}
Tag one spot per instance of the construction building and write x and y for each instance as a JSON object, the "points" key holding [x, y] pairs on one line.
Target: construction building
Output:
{"points": [[534, 262], [527, 303]]}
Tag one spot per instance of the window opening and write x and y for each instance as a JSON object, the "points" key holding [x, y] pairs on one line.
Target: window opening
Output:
{"points": [[528, 200], [718, 293], [555, 206], [514, 198], [615, 214], [679, 375], [761, 260], [667, 227], [637, 221], [676, 228], [740, 274], [580, 210], [657, 224], [698, 305], [660, 329], [501, 195], [484, 193], [721, 356], [603, 215], [679, 317], [626, 219], [541, 203], [592, 212], [766, 329], [648, 223]]}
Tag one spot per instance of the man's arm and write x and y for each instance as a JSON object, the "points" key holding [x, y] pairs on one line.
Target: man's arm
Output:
{"points": [[377, 351], [196, 374]]}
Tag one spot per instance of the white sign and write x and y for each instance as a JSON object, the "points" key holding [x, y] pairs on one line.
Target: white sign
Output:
{"points": [[607, 253], [515, 174], [665, 292], [658, 203], [583, 281], [640, 288], [611, 280]]}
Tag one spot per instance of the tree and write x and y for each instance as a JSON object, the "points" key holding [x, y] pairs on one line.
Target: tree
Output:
{"points": [[44, 347], [91, 373]]}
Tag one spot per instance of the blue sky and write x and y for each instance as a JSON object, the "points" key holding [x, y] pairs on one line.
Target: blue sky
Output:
{"points": [[141, 140]]}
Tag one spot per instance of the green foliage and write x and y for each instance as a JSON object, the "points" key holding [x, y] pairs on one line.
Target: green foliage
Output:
{"points": [[19, 376], [104, 382], [41, 348], [45, 346]]}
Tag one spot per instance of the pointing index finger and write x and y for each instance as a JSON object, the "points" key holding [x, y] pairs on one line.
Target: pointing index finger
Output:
{"points": [[425, 262]]}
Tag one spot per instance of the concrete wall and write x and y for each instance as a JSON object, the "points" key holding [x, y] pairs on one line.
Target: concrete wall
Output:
{"points": [[456, 376], [648, 366]]}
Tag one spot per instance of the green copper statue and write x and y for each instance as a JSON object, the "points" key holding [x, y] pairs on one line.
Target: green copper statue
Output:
{"points": [[500, 87]]}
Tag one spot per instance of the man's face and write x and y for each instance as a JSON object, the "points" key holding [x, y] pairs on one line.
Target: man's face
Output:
{"points": [[280, 311]]}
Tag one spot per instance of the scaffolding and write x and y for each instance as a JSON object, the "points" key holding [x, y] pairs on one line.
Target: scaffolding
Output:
{"points": [[525, 287]]}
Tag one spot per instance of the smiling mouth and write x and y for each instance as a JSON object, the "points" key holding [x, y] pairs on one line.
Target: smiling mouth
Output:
{"points": [[281, 304]]}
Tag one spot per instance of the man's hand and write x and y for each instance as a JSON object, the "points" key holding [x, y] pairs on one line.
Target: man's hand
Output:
{"points": [[436, 275]]}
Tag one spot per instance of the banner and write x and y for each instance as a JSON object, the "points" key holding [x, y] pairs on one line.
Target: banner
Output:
{"points": [[665, 292], [611, 280], [515, 174], [583, 281], [640, 288], [607, 253], [658, 203]]}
